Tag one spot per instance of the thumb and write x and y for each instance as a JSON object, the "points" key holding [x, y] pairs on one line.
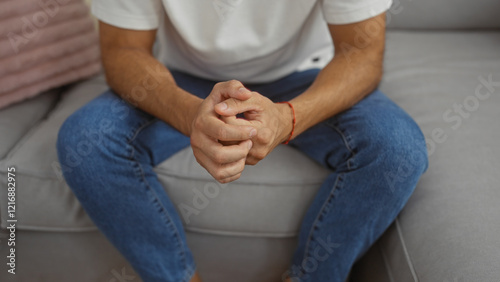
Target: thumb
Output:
{"points": [[247, 145]]}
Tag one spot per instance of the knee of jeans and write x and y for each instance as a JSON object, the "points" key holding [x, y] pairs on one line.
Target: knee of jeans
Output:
{"points": [[401, 154], [79, 137]]}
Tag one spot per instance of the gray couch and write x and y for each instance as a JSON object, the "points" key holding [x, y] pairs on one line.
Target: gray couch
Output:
{"points": [[442, 66]]}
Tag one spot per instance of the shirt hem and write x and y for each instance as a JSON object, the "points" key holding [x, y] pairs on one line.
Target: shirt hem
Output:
{"points": [[356, 15]]}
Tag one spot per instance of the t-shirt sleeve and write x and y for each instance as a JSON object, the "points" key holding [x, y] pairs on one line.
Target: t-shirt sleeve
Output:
{"points": [[129, 14], [351, 11]]}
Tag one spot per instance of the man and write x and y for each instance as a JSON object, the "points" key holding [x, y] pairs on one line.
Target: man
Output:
{"points": [[253, 49]]}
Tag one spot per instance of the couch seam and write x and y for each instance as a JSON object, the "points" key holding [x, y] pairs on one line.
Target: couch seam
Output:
{"points": [[240, 233], [405, 251], [200, 230], [386, 263], [297, 184]]}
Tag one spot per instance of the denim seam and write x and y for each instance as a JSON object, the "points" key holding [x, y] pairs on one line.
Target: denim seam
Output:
{"points": [[335, 187], [133, 133], [346, 143], [153, 193], [163, 209]]}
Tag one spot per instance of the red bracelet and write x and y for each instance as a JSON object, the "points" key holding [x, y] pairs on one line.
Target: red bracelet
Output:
{"points": [[294, 121]]}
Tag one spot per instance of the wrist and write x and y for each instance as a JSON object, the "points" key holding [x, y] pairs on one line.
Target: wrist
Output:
{"points": [[287, 122], [191, 115]]}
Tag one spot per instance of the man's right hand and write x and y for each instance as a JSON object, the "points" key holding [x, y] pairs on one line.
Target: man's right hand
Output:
{"points": [[224, 163]]}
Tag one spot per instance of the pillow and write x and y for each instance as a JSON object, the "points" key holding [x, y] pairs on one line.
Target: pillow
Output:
{"points": [[44, 44]]}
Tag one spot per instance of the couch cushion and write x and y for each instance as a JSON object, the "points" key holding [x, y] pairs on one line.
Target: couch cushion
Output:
{"points": [[444, 14], [449, 229], [18, 119], [44, 201], [263, 191]]}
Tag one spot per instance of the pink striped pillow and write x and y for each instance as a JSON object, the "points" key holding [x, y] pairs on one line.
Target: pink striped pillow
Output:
{"points": [[44, 44]]}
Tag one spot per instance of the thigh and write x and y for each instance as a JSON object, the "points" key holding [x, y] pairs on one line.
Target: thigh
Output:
{"points": [[372, 128], [376, 153], [108, 123]]}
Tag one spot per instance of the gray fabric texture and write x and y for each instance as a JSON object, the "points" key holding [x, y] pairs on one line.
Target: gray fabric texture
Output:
{"points": [[45, 202], [65, 257], [444, 14], [17, 119], [89, 257], [264, 191], [250, 259], [449, 229]]}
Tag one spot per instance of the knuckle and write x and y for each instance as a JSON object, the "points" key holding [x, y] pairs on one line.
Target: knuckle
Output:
{"points": [[220, 174], [219, 85], [263, 138], [236, 177], [241, 166], [264, 135], [237, 102], [234, 83], [252, 162], [222, 133], [231, 102], [198, 123], [259, 155], [219, 157]]}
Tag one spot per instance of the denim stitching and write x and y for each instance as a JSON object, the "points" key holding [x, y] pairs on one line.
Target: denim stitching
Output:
{"points": [[346, 142], [320, 213], [163, 211], [133, 134], [148, 187]]}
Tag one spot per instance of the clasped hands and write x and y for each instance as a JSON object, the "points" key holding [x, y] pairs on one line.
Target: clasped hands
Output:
{"points": [[222, 143]]}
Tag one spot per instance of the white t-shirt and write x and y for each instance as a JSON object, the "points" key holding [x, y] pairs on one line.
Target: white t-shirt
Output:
{"points": [[249, 40]]}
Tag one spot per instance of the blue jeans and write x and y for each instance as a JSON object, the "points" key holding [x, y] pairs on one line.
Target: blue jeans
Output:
{"points": [[375, 152]]}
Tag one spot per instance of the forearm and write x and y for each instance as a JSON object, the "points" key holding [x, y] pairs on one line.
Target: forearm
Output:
{"points": [[339, 86], [144, 82], [354, 72]]}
